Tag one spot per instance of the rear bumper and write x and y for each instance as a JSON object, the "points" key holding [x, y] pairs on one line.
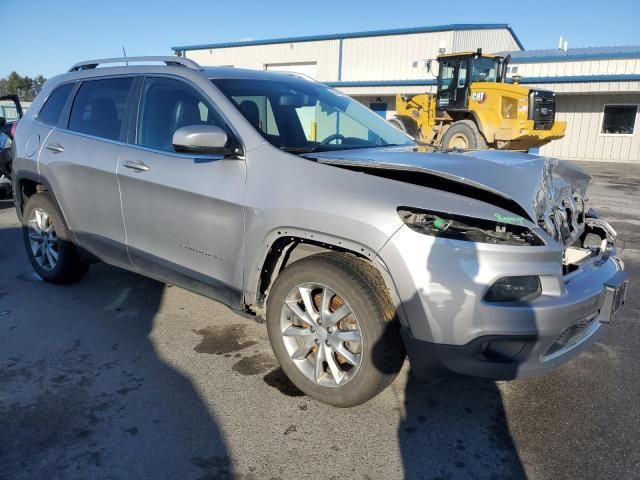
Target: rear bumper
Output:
{"points": [[506, 357]]}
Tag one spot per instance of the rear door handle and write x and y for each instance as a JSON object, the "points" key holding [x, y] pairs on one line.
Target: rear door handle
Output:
{"points": [[55, 148], [138, 166]]}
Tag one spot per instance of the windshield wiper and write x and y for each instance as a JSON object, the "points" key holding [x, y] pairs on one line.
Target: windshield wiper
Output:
{"points": [[305, 149]]}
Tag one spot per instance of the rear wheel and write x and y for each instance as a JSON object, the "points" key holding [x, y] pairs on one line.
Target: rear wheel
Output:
{"points": [[331, 325], [47, 241], [464, 135]]}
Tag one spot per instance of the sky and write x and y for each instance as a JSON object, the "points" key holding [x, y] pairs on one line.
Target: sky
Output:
{"points": [[48, 36]]}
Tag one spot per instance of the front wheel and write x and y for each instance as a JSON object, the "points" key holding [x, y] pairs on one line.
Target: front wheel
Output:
{"points": [[464, 135], [47, 241], [332, 329]]}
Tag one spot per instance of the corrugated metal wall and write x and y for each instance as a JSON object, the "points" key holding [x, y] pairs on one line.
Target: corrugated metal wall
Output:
{"points": [[588, 87], [578, 68], [391, 57], [583, 139], [323, 53], [491, 41]]}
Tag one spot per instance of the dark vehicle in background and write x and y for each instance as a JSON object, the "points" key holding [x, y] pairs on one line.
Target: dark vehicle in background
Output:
{"points": [[11, 111], [10, 114]]}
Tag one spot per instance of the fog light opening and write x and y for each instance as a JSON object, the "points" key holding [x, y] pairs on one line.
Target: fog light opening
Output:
{"points": [[514, 289]]}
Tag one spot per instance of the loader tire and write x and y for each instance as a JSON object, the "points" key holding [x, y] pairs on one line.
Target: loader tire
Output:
{"points": [[407, 124], [464, 135]]}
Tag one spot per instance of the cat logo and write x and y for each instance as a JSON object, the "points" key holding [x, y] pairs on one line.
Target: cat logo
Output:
{"points": [[478, 97]]}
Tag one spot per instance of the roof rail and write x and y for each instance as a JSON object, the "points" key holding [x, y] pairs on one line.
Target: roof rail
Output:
{"points": [[168, 60]]}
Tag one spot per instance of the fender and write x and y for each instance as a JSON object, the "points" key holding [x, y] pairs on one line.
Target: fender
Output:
{"points": [[481, 121], [35, 177], [264, 267]]}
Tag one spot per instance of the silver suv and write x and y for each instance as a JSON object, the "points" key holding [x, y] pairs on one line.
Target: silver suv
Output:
{"points": [[279, 196]]}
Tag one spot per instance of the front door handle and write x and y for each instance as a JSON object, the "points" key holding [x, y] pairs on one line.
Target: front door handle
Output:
{"points": [[55, 148], [138, 166]]}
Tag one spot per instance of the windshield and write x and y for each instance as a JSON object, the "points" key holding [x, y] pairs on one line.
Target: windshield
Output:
{"points": [[484, 70], [301, 116]]}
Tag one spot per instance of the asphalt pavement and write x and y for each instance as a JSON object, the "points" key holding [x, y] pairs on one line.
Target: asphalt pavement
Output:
{"points": [[122, 377]]}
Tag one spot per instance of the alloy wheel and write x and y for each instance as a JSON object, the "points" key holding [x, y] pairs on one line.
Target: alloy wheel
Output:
{"points": [[321, 334], [43, 239]]}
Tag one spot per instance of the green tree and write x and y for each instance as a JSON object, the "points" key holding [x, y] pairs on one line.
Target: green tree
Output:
{"points": [[25, 87]]}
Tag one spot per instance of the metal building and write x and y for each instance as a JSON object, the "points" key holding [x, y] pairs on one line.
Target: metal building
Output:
{"points": [[598, 88]]}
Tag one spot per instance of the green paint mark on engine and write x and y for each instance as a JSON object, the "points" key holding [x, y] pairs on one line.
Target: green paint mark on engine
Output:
{"points": [[509, 220]]}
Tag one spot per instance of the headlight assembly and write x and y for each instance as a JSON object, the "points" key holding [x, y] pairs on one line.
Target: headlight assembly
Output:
{"points": [[504, 231]]}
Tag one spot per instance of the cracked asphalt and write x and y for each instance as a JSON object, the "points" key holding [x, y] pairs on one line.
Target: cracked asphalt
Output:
{"points": [[120, 377]]}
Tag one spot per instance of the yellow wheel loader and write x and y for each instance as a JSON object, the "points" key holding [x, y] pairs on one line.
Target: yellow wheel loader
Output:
{"points": [[475, 108]]}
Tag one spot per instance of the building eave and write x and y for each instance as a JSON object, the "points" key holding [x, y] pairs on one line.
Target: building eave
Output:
{"points": [[346, 35]]}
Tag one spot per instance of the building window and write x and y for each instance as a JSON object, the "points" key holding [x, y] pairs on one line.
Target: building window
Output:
{"points": [[619, 119]]}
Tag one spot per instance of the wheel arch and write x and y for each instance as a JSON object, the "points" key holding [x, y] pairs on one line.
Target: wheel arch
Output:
{"points": [[485, 125], [27, 184], [286, 245]]}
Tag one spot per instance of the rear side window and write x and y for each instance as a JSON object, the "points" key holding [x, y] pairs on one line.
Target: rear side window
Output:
{"points": [[52, 108], [99, 107]]}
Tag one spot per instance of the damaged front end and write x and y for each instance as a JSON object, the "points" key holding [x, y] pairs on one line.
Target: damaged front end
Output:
{"points": [[544, 191], [596, 243], [458, 227]]}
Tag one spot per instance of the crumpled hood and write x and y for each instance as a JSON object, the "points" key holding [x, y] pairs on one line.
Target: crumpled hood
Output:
{"points": [[537, 184]]}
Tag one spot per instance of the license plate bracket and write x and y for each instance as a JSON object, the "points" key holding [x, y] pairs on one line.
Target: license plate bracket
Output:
{"points": [[615, 296]]}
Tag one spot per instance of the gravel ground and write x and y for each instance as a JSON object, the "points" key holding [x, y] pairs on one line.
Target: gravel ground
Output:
{"points": [[123, 377]]}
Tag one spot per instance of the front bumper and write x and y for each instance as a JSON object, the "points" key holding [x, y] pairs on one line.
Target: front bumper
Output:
{"points": [[521, 134], [449, 327], [505, 357]]}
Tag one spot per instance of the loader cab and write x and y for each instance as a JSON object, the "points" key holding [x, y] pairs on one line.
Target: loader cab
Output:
{"points": [[458, 71]]}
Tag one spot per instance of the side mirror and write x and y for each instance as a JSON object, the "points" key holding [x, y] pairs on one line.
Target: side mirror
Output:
{"points": [[202, 139]]}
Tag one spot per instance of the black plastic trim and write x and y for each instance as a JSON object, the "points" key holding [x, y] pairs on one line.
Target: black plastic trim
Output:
{"points": [[429, 360]]}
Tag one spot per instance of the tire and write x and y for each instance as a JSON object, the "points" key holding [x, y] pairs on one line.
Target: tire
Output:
{"points": [[407, 124], [464, 134], [358, 288], [67, 266]]}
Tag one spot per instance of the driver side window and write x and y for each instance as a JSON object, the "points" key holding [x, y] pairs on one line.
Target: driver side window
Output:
{"points": [[168, 105], [448, 71]]}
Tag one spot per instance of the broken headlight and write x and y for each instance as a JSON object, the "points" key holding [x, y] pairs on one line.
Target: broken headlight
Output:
{"points": [[513, 289], [503, 231]]}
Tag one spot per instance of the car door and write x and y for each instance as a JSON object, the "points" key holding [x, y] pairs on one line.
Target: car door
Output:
{"points": [[11, 111], [79, 159], [183, 213]]}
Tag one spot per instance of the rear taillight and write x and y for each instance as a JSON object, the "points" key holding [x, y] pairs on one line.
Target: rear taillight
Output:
{"points": [[13, 129]]}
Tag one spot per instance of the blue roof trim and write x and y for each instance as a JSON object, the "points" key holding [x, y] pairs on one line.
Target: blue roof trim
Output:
{"points": [[338, 36], [430, 82], [583, 79], [572, 57], [382, 83], [515, 37]]}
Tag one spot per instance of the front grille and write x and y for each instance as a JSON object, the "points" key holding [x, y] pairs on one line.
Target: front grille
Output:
{"points": [[542, 109]]}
